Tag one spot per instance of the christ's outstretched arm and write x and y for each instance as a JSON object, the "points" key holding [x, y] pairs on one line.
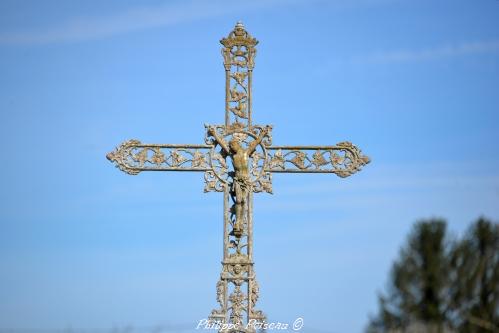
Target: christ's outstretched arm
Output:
{"points": [[221, 141], [252, 146]]}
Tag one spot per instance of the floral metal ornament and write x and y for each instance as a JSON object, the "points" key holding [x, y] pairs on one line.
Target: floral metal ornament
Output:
{"points": [[238, 159]]}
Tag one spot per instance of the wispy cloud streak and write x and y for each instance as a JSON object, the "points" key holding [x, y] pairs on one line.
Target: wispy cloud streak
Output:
{"points": [[133, 20], [147, 17], [432, 53]]}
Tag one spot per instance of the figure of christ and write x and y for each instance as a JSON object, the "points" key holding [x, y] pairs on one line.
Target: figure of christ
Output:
{"points": [[241, 184]]}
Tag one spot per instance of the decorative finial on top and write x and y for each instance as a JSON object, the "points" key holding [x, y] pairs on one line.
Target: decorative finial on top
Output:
{"points": [[239, 36]]}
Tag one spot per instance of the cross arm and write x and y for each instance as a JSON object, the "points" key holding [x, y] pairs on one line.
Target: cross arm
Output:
{"points": [[343, 159], [133, 157]]}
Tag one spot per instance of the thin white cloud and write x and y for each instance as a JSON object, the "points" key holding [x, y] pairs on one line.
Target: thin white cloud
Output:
{"points": [[133, 20], [432, 53], [146, 17]]}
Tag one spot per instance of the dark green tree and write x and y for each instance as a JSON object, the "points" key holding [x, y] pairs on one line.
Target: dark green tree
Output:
{"points": [[443, 286], [419, 282], [475, 285]]}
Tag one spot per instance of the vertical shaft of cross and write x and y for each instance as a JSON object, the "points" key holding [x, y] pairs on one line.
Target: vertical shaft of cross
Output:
{"points": [[237, 290], [239, 58]]}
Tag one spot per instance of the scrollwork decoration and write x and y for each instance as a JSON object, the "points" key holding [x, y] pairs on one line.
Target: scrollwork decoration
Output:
{"points": [[133, 157], [239, 59], [344, 159]]}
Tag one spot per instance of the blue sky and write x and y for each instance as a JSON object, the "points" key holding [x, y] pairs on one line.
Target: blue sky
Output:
{"points": [[412, 83]]}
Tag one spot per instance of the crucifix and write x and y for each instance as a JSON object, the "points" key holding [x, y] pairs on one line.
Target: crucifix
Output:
{"points": [[238, 159]]}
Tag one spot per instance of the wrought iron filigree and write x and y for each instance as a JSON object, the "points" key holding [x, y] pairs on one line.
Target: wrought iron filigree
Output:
{"points": [[240, 288], [239, 59], [132, 157], [343, 159], [213, 182], [264, 183]]}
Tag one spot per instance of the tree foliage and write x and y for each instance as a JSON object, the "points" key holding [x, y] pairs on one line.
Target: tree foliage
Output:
{"points": [[445, 285]]}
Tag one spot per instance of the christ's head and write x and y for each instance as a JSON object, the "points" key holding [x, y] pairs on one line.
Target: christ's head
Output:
{"points": [[235, 145]]}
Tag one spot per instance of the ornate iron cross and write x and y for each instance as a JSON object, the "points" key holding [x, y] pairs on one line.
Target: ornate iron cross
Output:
{"points": [[238, 159]]}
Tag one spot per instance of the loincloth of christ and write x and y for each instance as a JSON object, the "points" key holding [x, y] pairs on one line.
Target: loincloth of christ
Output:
{"points": [[241, 186]]}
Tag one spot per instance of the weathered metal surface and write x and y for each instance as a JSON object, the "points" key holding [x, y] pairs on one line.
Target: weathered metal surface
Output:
{"points": [[133, 157], [343, 159], [238, 159]]}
